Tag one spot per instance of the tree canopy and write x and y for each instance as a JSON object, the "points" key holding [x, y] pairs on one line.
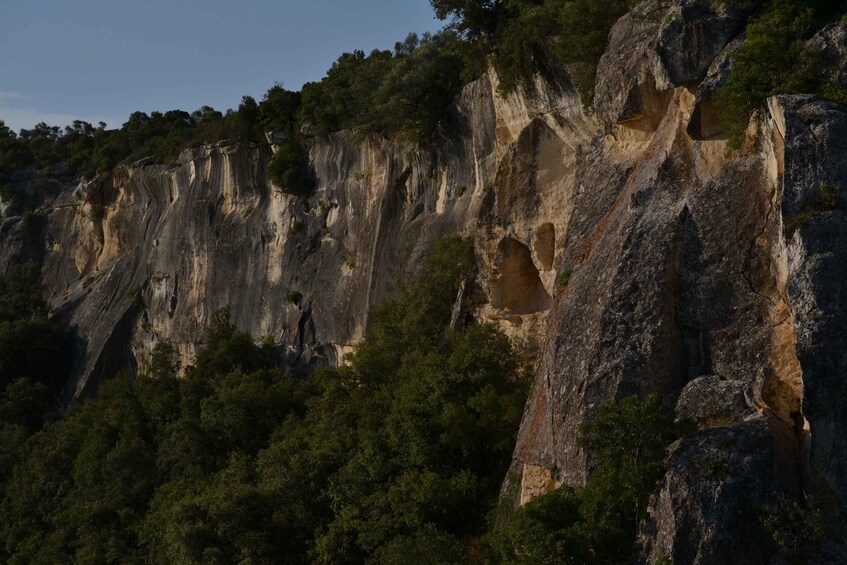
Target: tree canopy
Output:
{"points": [[398, 451]]}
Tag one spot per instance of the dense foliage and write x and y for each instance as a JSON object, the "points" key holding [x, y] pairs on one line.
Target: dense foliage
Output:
{"points": [[775, 58], [31, 346], [398, 453], [597, 524], [526, 37], [395, 457], [34, 353], [86, 149], [405, 92]]}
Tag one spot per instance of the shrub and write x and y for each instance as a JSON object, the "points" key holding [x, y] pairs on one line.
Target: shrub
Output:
{"points": [[628, 441], [773, 60], [289, 168], [795, 530]]}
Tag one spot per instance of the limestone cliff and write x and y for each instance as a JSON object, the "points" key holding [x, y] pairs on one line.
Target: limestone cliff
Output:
{"points": [[147, 253], [708, 275]]}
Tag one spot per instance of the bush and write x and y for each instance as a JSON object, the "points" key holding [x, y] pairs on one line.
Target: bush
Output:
{"points": [[289, 168], [628, 441], [796, 532], [774, 59]]}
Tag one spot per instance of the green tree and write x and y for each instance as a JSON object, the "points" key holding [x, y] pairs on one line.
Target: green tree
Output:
{"points": [[14, 153], [474, 18], [774, 59], [407, 445], [279, 110], [219, 519], [20, 294], [400, 452], [628, 442], [83, 485]]}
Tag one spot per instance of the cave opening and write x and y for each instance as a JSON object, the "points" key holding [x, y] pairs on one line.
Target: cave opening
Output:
{"points": [[517, 286]]}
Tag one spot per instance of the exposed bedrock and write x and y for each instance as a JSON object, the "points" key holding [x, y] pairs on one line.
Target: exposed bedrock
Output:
{"points": [[712, 277], [146, 253], [629, 252], [659, 46]]}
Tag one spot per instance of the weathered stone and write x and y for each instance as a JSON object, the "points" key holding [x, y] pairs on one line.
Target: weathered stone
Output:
{"points": [[832, 44], [707, 507], [816, 271], [276, 137], [706, 120], [713, 401], [687, 260], [147, 253], [145, 162], [660, 45]]}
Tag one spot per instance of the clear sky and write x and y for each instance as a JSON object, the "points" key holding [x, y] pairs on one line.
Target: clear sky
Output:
{"points": [[103, 59]]}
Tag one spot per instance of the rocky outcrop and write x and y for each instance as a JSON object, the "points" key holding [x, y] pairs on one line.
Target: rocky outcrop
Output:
{"points": [[149, 252], [713, 401], [813, 207], [831, 42], [706, 275], [633, 252], [704, 510], [657, 47]]}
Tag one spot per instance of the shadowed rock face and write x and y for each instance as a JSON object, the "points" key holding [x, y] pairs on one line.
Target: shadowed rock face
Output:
{"points": [[715, 478], [711, 277]]}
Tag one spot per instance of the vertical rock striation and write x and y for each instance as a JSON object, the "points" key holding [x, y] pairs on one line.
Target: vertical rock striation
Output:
{"points": [[630, 251], [704, 274], [147, 253]]}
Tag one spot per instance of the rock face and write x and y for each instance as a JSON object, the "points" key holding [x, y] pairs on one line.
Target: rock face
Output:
{"points": [[704, 509], [715, 278], [713, 401], [832, 44], [149, 252], [659, 46]]}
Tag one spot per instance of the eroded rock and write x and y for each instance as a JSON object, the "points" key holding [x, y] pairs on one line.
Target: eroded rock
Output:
{"points": [[832, 44], [658, 46], [155, 250], [707, 507], [712, 401]]}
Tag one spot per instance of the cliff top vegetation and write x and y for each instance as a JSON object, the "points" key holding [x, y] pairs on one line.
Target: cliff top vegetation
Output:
{"points": [[406, 92]]}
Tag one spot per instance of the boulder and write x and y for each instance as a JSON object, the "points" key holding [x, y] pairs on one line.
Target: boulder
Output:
{"points": [[712, 401], [706, 508], [655, 48]]}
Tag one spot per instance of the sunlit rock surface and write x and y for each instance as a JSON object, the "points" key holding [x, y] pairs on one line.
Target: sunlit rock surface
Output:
{"points": [[631, 251]]}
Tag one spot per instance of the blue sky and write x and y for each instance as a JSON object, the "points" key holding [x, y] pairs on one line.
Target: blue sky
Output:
{"points": [[103, 59]]}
